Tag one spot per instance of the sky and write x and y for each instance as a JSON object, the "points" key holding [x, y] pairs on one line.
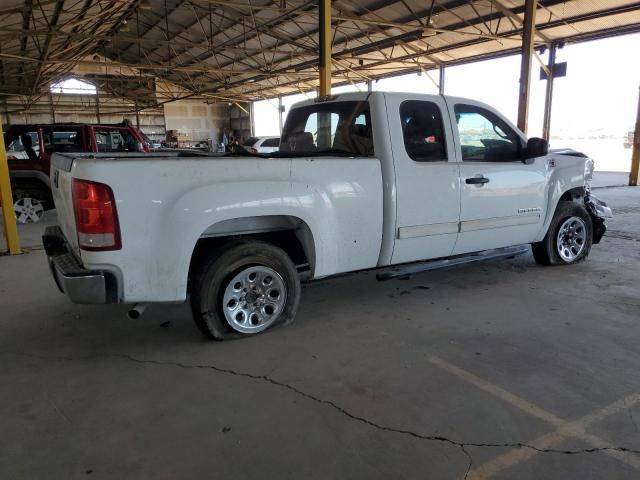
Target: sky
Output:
{"points": [[599, 95], [73, 85]]}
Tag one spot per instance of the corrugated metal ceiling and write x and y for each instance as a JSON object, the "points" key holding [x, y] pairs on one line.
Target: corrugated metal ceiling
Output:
{"points": [[250, 49]]}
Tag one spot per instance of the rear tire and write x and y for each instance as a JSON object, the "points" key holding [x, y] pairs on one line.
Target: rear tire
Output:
{"points": [[28, 210], [29, 188], [245, 289], [569, 237]]}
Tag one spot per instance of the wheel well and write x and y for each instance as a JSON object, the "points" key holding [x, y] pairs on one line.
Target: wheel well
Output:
{"points": [[296, 242], [31, 185], [30, 182], [573, 195]]}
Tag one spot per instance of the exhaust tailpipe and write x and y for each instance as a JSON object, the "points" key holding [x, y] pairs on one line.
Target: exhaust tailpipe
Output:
{"points": [[137, 310]]}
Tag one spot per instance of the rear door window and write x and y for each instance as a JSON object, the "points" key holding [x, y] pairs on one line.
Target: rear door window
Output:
{"points": [[423, 131], [332, 128], [64, 139], [271, 142]]}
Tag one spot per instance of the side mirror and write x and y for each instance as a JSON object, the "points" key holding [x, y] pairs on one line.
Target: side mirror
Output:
{"points": [[536, 147]]}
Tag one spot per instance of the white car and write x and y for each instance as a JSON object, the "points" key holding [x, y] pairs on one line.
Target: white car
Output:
{"points": [[255, 145], [390, 181]]}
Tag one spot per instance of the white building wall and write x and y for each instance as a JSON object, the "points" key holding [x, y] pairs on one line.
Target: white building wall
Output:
{"points": [[199, 120]]}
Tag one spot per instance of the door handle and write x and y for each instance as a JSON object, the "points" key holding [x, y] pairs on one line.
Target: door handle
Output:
{"points": [[476, 180]]}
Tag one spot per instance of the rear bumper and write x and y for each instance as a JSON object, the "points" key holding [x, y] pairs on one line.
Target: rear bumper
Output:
{"points": [[75, 281]]}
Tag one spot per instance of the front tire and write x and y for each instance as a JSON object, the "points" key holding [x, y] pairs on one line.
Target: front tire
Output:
{"points": [[244, 290], [569, 237]]}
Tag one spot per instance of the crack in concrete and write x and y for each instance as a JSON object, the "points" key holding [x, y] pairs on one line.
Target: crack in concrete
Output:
{"points": [[470, 465], [267, 379], [633, 420]]}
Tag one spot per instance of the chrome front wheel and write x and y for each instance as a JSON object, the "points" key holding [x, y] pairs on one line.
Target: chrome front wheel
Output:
{"points": [[571, 239]]}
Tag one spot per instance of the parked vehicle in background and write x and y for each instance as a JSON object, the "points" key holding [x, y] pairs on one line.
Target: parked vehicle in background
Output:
{"points": [[150, 143], [29, 150], [255, 145], [393, 181]]}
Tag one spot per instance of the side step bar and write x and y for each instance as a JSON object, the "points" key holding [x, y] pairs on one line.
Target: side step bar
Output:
{"points": [[411, 268]]}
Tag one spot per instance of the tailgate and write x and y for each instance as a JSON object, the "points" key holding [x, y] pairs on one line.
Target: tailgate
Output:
{"points": [[61, 184]]}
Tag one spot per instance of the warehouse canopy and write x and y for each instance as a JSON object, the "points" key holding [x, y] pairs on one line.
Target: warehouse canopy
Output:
{"points": [[242, 50]]}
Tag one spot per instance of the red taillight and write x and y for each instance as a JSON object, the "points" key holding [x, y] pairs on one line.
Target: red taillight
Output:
{"points": [[96, 216], [254, 151]]}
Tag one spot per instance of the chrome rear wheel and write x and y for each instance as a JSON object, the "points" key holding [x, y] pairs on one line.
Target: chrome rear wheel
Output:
{"points": [[243, 289], [254, 299]]}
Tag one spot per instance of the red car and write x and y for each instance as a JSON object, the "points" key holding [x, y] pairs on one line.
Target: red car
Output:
{"points": [[29, 150]]}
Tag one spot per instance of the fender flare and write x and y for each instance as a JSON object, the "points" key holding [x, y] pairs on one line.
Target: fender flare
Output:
{"points": [[580, 195], [31, 175], [265, 224]]}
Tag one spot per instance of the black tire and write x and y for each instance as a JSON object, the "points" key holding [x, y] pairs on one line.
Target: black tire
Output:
{"points": [[547, 252], [28, 188], [215, 276]]}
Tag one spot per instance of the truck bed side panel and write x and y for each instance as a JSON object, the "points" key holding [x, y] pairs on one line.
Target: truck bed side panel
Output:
{"points": [[165, 205]]}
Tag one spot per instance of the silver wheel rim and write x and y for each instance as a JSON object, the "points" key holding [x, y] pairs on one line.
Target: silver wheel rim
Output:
{"points": [[28, 210], [572, 238], [254, 299]]}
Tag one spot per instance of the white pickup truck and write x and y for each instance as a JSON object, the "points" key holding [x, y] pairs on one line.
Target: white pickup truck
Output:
{"points": [[391, 181]]}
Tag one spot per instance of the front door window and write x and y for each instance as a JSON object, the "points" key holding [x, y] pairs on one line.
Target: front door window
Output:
{"points": [[485, 137]]}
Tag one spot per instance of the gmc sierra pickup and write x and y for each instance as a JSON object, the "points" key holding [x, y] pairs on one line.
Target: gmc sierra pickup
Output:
{"points": [[391, 181]]}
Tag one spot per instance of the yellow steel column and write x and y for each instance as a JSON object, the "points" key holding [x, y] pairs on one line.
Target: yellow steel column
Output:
{"points": [[8, 216], [525, 66], [634, 176], [325, 47]]}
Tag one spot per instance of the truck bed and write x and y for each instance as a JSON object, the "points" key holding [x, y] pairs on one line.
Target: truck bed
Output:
{"points": [[166, 202]]}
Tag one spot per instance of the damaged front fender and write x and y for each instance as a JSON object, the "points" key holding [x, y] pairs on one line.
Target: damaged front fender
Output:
{"points": [[598, 211]]}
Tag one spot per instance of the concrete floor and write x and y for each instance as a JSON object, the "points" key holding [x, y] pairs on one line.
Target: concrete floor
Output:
{"points": [[503, 370]]}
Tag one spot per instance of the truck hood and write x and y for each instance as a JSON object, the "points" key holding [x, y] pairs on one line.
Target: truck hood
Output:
{"points": [[567, 151]]}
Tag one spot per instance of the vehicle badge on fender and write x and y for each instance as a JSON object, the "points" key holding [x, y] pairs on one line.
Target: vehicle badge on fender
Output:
{"points": [[529, 210]]}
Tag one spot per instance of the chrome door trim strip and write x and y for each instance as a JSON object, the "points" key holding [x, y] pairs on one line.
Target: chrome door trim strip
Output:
{"points": [[427, 230], [499, 222]]}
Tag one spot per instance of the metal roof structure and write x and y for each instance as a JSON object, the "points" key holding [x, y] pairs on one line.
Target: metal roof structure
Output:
{"points": [[244, 50]]}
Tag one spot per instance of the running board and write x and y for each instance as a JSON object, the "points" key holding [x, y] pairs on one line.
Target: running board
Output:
{"points": [[411, 268]]}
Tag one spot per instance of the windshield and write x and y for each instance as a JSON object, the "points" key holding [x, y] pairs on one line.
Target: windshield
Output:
{"points": [[342, 128]]}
